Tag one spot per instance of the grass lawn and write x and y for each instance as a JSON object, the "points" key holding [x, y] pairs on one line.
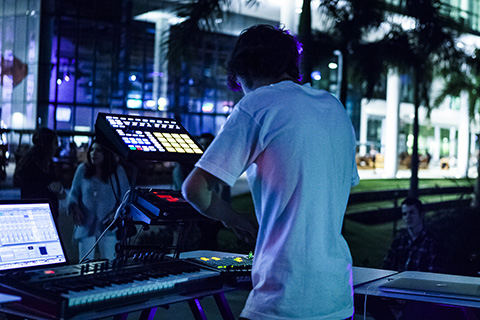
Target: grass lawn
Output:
{"points": [[390, 184]]}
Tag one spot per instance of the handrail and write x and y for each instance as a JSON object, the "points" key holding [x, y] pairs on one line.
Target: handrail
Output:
{"points": [[62, 133]]}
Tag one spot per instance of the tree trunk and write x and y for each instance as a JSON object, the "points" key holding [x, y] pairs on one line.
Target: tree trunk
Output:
{"points": [[305, 36], [344, 81], [413, 192], [476, 197]]}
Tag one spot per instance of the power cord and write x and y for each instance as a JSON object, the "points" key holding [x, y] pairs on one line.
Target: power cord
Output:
{"points": [[365, 303]]}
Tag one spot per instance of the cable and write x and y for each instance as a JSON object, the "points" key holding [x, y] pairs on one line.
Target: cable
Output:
{"points": [[117, 215], [365, 303]]}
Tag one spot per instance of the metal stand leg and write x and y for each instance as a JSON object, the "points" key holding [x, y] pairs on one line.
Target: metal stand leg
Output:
{"points": [[148, 314], [197, 309], [223, 306], [469, 314]]}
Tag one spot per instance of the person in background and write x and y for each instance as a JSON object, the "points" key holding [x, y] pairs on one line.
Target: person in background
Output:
{"points": [[415, 248], [98, 189], [373, 156], [35, 173], [297, 146]]}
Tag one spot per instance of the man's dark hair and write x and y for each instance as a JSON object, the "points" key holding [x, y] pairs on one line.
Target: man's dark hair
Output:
{"points": [[263, 52], [44, 140], [411, 201]]}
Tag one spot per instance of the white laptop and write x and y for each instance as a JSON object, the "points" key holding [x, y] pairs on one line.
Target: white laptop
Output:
{"points": [[433, 288]]}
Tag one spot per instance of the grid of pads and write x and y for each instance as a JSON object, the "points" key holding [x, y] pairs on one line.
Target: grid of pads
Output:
{"points": [[153, 135]]}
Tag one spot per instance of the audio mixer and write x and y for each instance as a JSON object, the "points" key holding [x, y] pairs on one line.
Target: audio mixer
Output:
{"points": [[153, 205], [236, 270]]}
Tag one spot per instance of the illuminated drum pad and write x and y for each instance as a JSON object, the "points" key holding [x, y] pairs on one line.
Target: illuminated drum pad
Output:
{"points": [[146, 138], [174, 142]]}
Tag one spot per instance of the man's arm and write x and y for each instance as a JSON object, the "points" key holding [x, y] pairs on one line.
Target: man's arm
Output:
{"points": [[199, 189]]}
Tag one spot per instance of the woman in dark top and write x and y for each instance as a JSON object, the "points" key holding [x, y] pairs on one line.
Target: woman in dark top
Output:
{"points": [[35, 170]]}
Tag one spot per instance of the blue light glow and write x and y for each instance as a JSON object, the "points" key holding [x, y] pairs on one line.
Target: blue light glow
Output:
{"points": [[316, 75]]}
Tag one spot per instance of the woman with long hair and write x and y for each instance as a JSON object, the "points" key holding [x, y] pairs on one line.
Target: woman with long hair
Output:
{"points": [[97, 190]]}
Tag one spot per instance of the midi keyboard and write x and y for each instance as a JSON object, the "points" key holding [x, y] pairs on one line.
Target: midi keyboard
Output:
{"points": [[65, 292]]}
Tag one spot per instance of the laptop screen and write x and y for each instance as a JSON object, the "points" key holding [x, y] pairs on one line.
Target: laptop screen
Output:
{"points": [[28, 236]]}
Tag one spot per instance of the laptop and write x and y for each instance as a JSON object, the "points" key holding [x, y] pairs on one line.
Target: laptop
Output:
{"points": [[363, 275], [29, 237], [433, 288]]}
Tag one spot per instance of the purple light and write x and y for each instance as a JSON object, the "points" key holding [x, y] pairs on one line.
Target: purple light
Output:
{"points": [[199, 307]]}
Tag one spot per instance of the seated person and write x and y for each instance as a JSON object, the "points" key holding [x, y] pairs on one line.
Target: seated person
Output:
{"points": [[415, 248]]}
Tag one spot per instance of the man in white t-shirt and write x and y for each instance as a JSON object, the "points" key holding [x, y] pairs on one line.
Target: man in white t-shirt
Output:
{"points": [[297, 146]]}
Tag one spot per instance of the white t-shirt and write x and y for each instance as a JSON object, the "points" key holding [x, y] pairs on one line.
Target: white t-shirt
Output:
{"points": [[298, 147]]}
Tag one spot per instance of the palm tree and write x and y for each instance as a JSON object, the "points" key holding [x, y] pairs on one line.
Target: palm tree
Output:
{"points": [[347, 24], [466, 80], [428, 46], [196, 18]]}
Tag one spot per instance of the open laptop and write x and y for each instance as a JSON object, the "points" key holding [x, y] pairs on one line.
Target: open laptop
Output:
{"points": [[29, 237], [433, 288]]}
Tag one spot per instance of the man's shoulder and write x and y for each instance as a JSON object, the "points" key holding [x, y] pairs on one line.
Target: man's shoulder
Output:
{"points": [[400, 238]]}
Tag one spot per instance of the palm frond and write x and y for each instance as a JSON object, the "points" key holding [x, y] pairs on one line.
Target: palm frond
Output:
{"points": [[198, 16]]}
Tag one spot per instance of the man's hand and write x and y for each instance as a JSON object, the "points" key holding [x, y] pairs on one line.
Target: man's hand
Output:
{"points": [[247, 235]]}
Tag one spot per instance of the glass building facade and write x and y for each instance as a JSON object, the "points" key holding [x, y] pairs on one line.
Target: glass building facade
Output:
{"points": [[19, 51], [94, 56]]}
